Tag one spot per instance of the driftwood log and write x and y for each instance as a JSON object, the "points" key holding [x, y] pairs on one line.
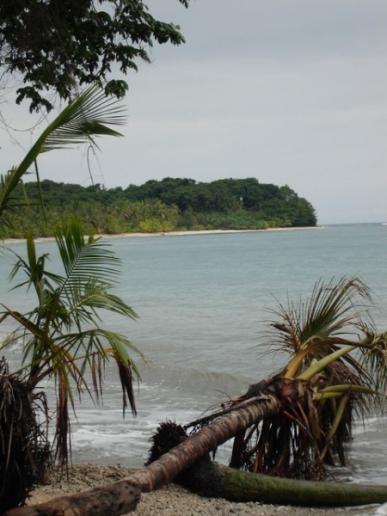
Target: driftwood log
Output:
{"points": [[118, 498]]}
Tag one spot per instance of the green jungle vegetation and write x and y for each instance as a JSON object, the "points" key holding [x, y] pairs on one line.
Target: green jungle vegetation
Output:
{"points": [[157, 206]]}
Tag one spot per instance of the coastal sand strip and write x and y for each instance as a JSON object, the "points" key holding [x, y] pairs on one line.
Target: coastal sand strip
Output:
{"points": [[10, 241], [172, 500]]}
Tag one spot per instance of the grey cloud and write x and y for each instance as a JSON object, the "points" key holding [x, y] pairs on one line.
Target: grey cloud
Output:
{"points": [[280, 29]]}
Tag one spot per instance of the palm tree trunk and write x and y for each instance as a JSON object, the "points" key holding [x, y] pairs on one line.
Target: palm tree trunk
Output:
{"points": [[187, 453], [163, 470], [241, 486]]}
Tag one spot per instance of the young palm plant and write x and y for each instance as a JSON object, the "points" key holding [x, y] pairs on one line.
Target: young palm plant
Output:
{"points": [[64, 337]]}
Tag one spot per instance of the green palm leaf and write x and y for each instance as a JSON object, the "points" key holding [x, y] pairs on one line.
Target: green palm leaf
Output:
{"points": [[331, 308], [97, 298], [85, 260], [87, 116], [375, 356], [314, 328], [330, 312]]}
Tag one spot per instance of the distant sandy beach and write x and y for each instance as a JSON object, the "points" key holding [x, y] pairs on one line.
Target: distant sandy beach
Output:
{"points": [[10, 241]]}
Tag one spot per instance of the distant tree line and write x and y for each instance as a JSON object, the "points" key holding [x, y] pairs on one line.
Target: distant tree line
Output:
{"points": [[166, 205]]}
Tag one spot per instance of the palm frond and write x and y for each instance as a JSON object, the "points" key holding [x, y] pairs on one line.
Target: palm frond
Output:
{"points": [[87, 116], [316, 326], [97, 298], [374, 357], [102, 343], [33, 268], [26, 323], [85, 260], [332, 308]]}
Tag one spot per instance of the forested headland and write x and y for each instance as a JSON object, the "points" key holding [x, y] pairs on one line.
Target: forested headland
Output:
{"points": [[158, 206]]}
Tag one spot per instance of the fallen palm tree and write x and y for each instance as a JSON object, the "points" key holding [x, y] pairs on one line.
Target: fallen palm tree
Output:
{"points": [[205, 477], [292, 425]]}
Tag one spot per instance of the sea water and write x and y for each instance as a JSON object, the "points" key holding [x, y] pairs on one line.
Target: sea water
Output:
{"points": [[204, 304]]}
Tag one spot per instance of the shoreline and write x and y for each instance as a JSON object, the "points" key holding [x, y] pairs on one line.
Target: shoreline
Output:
{"points": [[199, 232], [171, 500]]}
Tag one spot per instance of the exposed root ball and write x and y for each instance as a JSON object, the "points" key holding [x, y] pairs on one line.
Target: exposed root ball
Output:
{"points": [[167, 435], [24, 449], [202, 478]]}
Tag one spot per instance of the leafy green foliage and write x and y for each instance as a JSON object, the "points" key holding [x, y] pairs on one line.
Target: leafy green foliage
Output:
{"points": [[60, 45], [164, 205], [63, 335]]}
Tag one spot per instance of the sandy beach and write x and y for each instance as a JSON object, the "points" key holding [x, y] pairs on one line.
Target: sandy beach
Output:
{"points": [[172, 500], [10, 241]]}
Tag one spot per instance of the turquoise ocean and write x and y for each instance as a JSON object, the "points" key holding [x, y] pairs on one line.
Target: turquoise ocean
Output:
{"points": [[205, 302]]}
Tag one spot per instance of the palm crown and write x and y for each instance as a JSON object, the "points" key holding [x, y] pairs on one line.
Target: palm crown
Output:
{"points": [[63, 336]]}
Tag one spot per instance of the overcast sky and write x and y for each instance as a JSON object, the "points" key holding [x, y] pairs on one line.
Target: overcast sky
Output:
{"points": [[288, 91]]}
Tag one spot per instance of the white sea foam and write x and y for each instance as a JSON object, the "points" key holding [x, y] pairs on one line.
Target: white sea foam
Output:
{"points": [[381, 511]]}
